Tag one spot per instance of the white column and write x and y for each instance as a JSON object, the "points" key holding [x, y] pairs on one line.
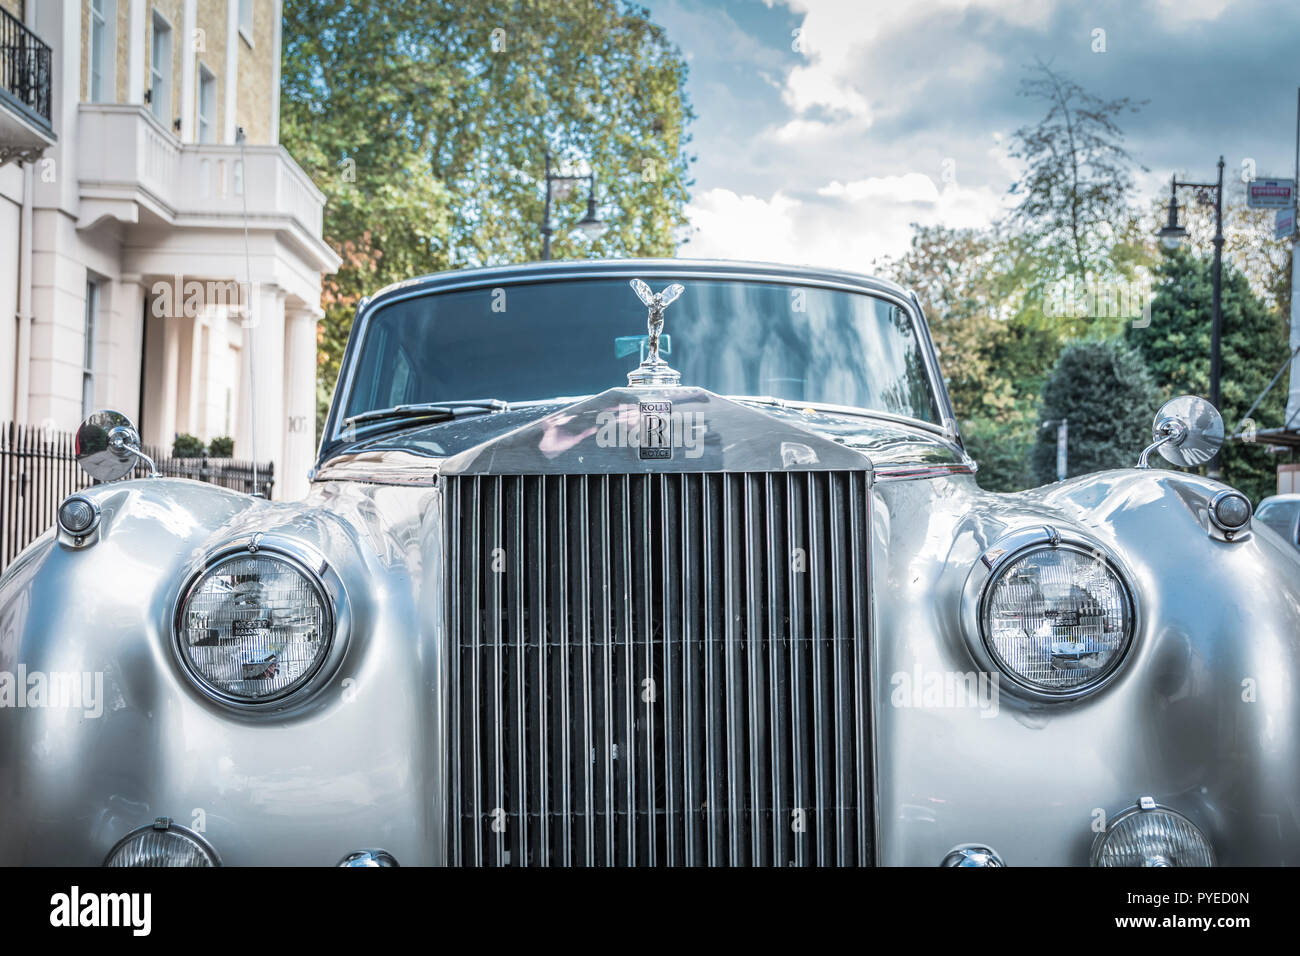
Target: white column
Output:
{"points": [[135, 51], [189, 22], [228, 122], [23, 335], [10, 278], [168, 394], [299, 403], [260, 435], [127, 354], [189, 374]]}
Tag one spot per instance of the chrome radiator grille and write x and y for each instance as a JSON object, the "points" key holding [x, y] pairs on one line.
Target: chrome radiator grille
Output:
{"points": [[658, 670]]}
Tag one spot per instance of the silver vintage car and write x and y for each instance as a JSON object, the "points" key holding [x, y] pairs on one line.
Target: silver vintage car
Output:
{"points": [[651, 563]]}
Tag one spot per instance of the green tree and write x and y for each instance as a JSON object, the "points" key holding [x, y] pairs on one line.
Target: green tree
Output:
{"points": [[1176, 349], [1074, 193], [1104, 392], [1002, 449], [426, 126], [1248, 240], [991, 294], [995, 344]]}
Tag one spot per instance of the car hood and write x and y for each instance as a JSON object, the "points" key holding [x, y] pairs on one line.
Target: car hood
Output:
{"points": [[414, 455]]}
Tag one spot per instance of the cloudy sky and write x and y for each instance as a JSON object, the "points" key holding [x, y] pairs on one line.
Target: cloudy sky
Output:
{"points": [[826, 127]]}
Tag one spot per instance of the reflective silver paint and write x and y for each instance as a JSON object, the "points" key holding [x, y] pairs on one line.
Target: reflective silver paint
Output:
{"points": [[354, 765], [1204, 715]]}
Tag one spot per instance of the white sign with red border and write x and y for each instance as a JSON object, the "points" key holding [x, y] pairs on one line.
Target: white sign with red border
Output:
{"points": [[1270, 193]]}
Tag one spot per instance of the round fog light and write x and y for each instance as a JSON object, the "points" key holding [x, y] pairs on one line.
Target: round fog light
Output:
{"points": [[77, 515], [1151, 835], [1230, 510], [162, 843]]}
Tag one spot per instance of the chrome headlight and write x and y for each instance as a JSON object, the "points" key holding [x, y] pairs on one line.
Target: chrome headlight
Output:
{"points": [[1151, 835], [254, 626], [1055, 616]]}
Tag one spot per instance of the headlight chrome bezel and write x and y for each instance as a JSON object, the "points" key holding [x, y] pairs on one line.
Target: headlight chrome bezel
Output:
{"points": [[1143, 806], [1212, 509], [166, 825], [324, 580], [988, 569]]}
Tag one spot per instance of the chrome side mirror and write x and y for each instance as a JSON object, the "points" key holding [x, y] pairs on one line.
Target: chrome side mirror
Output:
{"points": [[108, 447], [1187, 431]]}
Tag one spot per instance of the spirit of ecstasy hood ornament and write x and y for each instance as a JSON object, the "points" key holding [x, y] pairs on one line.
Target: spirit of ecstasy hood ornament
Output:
{"points": [[654, 370]]}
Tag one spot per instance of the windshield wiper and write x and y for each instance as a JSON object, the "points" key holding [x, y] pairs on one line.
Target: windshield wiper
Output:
{"points": [[442, 411]]}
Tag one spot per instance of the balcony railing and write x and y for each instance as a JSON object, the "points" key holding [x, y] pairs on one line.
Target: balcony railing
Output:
{"points": [[24, 66]]}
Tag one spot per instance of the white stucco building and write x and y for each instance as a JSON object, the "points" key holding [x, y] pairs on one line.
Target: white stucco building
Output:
{"points": [[123, 274]]}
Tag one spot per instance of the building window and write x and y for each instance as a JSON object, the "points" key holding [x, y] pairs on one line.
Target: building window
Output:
{"points": [[160, 70], [246, 20], [88, 356], [102, 21], [207, 105]]}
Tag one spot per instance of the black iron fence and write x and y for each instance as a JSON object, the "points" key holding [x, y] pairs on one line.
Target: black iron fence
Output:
{"points": [[24, 65], [38, 469]]}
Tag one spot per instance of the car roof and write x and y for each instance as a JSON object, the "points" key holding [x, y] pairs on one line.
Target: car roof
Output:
{"points": [[1279, 498], [683, 268]]}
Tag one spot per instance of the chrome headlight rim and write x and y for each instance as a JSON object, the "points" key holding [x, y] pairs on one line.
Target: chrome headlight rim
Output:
{"points": [[168, 825], [1144, 805], [994, 560], [324, 580]]}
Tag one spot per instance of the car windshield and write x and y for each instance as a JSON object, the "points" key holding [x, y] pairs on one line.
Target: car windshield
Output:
{"points": [[576, 337]]}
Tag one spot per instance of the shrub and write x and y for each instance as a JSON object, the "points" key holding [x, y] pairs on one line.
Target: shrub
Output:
{"points": [[187, 446], [1105, 392]]}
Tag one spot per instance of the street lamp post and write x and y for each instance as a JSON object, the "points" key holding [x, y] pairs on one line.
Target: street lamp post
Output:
{"points": [[591, 225], [1171, 236]]}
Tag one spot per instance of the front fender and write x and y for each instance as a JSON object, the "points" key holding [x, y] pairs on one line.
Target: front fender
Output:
{"points": [[1203, 715], [304, 786]]}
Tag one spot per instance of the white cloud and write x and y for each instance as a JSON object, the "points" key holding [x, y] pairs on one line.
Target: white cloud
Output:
{"points": [[812, 87], [728, 226], [849, 226], [837, 38], [889, 112], [1175, 12], [910, 187], [807, 131]]}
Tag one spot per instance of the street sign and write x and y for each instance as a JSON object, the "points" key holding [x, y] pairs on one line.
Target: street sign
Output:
{"points": [[1284, 224], [1270, 193]]}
